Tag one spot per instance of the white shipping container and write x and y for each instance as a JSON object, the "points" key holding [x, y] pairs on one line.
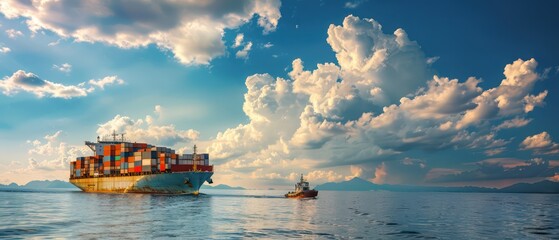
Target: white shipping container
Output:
{"points": [[146, 162]]}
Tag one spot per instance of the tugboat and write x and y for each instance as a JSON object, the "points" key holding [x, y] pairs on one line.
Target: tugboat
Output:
{"points": [[302, 190]]}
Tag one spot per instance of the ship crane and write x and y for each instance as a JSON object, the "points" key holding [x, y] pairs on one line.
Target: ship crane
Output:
{"points": [[107, 139]]}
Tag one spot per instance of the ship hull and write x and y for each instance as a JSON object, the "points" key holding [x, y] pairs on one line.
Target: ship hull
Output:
{"points": [[303, 194], [166, 183]]}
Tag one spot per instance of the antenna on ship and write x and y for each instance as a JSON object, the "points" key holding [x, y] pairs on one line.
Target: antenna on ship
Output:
{"points": [[122, 137], [114, 135]]}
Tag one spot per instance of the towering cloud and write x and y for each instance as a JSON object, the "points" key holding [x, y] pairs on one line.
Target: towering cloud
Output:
{"points": [[372, 108]]}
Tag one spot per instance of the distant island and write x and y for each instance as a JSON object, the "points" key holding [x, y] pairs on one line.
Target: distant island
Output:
{"points": [[359, 184], [221, 187], [41, 184]]}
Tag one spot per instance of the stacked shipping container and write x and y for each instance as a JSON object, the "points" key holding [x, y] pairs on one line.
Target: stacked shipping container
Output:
{"points": [[135, 159]]}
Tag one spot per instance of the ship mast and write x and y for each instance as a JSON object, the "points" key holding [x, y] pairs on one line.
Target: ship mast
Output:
{"points": [[194, 156], [114, 135]]}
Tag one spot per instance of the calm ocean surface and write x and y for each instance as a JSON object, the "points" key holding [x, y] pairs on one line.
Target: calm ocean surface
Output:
{"points": [[227, 214]]}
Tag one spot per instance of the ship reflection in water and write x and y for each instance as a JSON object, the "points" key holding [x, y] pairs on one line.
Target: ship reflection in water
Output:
{"points": [[226, 214]]}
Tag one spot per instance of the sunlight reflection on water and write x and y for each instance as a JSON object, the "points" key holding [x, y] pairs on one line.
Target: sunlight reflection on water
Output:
{"points": [[226, 214]]}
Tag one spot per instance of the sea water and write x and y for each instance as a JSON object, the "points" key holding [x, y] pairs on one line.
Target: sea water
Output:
{"points": [[231, 214]]}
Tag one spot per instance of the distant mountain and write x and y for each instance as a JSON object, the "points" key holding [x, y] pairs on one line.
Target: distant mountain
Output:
{"points": [[41, 184], [545, 186], [11, 185], [48, 184], [355, 184], [222, 187], [358, 184]]}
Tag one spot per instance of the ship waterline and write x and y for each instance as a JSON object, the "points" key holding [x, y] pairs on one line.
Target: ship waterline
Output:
{"points": [[165, 183]]}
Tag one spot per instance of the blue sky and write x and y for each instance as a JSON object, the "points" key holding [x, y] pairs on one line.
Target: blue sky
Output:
{"points": [[272, 89]]}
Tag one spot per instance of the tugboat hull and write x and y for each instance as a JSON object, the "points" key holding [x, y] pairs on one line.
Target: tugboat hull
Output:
{"points": [[303, 194]]}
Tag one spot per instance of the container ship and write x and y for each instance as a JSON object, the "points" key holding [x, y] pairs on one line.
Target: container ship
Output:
{"points": [[118, 166]]}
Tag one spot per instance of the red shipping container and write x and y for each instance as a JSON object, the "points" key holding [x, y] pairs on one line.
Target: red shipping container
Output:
{"points": [[137, 168], [182, 168]]}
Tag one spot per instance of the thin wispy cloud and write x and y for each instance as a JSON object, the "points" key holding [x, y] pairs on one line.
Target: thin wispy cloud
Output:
{"points": [[65, 67], [12, 33], [5, 50]]}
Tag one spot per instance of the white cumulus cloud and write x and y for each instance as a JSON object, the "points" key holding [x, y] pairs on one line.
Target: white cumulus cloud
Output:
{"points": [[239, 40], [377, 102], [243, 53], [12, 33], [147, 130], [31, 83], [109, 80], [65, 67], [191, 30], [5, 49], [540, 143], [52, 153]]}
